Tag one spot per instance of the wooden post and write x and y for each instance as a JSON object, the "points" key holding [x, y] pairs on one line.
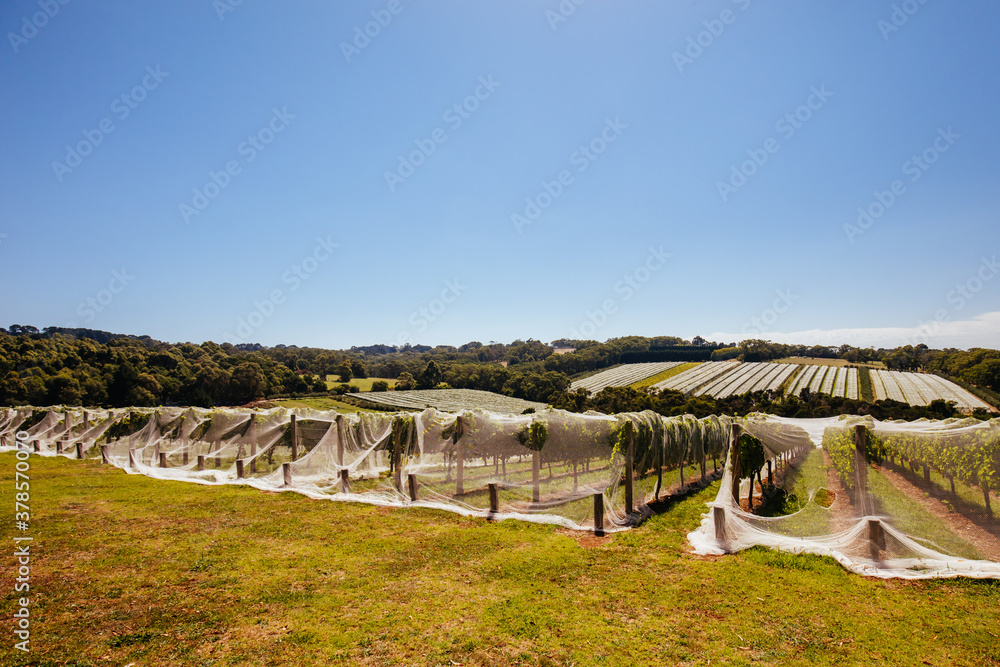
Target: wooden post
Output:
{"points": [[927, 475], [734, 459], [345, 480], [770, 475], [629, 472], [494, 497], [163, 459], [86, 421], [294, 428], [132, 459], [456, 439], [201, 462], [986, 497], [397, 434], [105, 458], [239, 468], [59, 446], [218, 461], [131, 435], [184, 445], [79, 450], [719, 519], [704, 464], [861, 467], [286, 473], [37, 446], [340, 440], [536, 464], [253, 457], [876, 538], [411, 482], [599, 514]]}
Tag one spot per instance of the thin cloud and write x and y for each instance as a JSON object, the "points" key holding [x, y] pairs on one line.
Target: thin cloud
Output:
{"points": [[980, 331]]}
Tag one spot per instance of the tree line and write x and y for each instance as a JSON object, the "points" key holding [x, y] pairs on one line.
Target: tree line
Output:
{"points": [[96, 368]]}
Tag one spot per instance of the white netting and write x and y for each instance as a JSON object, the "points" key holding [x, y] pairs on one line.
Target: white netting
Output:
{"points": [[883, 498], [886, 499], [552, 467]]}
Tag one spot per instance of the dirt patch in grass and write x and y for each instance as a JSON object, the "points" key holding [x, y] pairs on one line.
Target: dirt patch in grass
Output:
{"points": [[585, 539]]}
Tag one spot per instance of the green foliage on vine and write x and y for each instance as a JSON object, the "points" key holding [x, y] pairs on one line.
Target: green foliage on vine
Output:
{"points": [[752, 456], [126, 425], [534, 435]]}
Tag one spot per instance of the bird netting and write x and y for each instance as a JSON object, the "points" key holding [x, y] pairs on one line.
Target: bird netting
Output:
{"points": [[883, 498], [552, 467], [887, 499]]}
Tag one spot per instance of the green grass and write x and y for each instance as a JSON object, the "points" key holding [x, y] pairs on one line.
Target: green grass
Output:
{"points": [[127, 569], [806, 475], [911, 518], [363, 384], [660, 377], [865, 390]]}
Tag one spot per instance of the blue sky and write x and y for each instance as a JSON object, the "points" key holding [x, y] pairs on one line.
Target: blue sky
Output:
{"points": [[268, 172]]}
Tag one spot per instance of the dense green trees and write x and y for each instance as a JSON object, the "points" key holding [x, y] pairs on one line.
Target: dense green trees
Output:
{"points": [[79, 366], [56, 368]]}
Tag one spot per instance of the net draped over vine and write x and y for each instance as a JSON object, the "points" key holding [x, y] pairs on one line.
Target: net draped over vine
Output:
{"points": [[899, 499], [544, 467], [888, 499]]}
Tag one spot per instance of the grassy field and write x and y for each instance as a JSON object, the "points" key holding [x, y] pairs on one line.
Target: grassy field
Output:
{"points": [[363, 384], [660, 377], [816, 361], [127, 569]]}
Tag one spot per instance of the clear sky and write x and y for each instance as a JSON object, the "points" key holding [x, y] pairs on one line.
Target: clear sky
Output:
{"points": [[335, 174]]}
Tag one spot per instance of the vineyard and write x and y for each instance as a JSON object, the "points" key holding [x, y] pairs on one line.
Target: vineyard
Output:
{"points": [[552, 467], [862, 499], [597, 473], [622, 376], [921, 389], [443, 399], [721, 379]]}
